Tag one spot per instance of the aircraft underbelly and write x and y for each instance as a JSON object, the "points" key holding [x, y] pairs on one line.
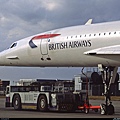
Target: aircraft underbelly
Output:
{"points": [[69, 62], [62, 58], [73, 59]]}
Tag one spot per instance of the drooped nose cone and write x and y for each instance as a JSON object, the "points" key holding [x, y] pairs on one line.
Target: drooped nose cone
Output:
{"points": [[7, 59]]}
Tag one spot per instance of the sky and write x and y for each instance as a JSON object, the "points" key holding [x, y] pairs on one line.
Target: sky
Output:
{"points": [[23, 18]]}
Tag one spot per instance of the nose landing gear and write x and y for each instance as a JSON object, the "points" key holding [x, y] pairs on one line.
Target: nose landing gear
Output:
{"points": [[108, 77]]}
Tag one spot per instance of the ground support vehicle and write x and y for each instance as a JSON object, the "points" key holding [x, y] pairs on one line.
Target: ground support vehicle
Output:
{"points": [[85, 106], [57, 95]]}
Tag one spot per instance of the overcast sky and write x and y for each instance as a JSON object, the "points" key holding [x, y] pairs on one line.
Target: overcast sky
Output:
{"points": [[23, 18]]}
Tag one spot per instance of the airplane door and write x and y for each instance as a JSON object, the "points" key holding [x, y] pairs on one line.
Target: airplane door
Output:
{"points": [[44, 46]]}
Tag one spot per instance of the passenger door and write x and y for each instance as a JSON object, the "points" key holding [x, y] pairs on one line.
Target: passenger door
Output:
{"points": [[44, 46]]}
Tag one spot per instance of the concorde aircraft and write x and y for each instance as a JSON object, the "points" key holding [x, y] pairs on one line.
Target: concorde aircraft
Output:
{"points": [[89, 45]]}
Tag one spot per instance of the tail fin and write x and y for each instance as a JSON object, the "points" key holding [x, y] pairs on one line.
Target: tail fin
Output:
{"points": [[89, 22]]}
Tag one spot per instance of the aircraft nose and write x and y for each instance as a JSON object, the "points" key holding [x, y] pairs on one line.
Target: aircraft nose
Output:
{"points": [[7, 58], [2, 58]]}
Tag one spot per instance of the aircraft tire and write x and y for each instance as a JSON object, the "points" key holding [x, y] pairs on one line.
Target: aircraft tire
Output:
{"points": [[110, 110]]}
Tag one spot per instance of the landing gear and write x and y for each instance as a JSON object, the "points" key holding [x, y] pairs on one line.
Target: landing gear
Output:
{"points": [[108, 77]]}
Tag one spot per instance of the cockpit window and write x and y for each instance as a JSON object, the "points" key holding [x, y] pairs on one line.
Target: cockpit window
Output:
{"points": [[13, 45]]}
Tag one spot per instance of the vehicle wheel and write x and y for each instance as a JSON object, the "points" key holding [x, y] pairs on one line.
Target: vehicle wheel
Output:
{"points": [[86, 110], [96, 110], [42, 103], [17, 102]]}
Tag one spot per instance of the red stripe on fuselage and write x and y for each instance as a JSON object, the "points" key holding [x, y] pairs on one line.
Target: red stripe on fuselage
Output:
{"points": [[45, 36]]}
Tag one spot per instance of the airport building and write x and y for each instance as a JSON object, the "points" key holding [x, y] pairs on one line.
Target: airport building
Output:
{"points": [[93, 83], [91, 80], [3, 84]]}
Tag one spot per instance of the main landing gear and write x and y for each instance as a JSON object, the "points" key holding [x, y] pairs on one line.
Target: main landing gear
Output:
{"points": [[108, 77]]}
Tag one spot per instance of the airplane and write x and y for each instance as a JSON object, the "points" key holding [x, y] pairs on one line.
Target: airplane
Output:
{"points": [[88, 45]]}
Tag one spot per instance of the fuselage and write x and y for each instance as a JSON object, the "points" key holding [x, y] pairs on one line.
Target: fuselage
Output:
{"points": [[65, 47]]}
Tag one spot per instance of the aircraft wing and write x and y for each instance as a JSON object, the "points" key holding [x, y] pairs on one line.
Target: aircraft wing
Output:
{"points": [[110, 50]]}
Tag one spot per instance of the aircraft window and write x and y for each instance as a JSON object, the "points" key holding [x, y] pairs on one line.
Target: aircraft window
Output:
{"points": [[109, 33], [80, 35], [32, 45], [99, 34], [94, 34], [13, 45], [90, 35], [114, 32], [104, 33], [85, 35]]}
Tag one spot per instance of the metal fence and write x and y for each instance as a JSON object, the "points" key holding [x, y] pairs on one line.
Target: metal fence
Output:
{"points": [[2, 90], [98, 90], [94, 90]]}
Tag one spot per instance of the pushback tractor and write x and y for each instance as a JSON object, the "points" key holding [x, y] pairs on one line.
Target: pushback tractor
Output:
{"points": [[46, 95]]}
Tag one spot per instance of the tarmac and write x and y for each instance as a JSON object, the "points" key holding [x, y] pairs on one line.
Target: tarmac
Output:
{"points": [[11, 113]]}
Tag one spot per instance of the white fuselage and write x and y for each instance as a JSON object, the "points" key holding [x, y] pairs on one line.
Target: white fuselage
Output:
{"points": [[67, 49]]}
